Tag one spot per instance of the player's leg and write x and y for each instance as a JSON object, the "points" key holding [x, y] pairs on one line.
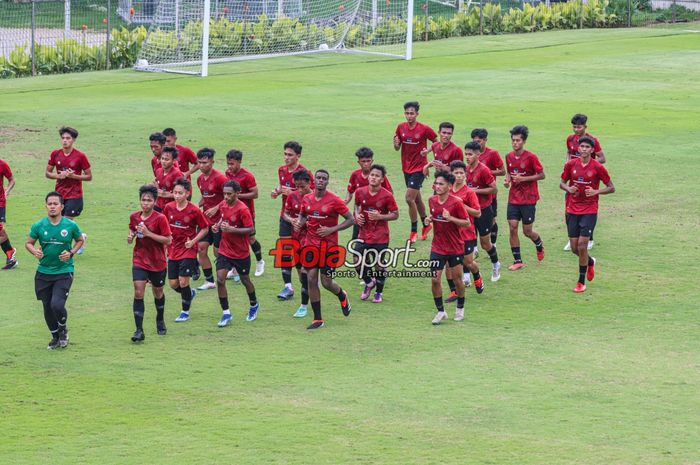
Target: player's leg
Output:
{"points": [[257, 251], [157, 284], [44, 291], [315, 298], [304, 280], [330, 285], [185, 268], [381, 273], [72, 208], [205, 262], [243, 267], [223, 266], [367, 263], [411, 195], [484, 229], [138, 306], [452, 296], [437, 263], [494, 224], [285, 232], [471, 266], [9, 251], [59, 296], [529, 230], [455, 263]]}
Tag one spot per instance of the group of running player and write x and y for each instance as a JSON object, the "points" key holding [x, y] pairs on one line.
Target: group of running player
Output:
{"points": [[172, 236]]}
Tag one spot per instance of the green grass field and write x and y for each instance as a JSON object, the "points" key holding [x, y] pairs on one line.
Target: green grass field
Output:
{"points": [[535, 375]]}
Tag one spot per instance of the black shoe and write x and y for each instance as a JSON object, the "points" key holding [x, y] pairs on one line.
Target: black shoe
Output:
{"points": [[53, 344], [63, 339], [138, 336], [345, 305], [196, 273], [316, 324], [162, 330]]}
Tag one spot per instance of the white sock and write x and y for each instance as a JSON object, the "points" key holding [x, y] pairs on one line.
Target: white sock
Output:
{"points": [[302, 306], [289, 286], [227, 312]]}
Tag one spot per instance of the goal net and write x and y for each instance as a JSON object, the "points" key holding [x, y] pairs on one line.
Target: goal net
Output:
{"points": [[180, 39]]}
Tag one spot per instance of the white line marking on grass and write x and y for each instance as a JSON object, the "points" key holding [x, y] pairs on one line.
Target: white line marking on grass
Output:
{"points": [[690, 30]]}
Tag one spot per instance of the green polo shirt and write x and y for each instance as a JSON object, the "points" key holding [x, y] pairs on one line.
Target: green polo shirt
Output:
{"points": [[54, 239]]}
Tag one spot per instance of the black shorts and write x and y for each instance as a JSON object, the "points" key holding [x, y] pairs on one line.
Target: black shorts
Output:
{"points": [[524, 213], [494, 207], [156, 278], [72, 207], [581, 225], [469, 246], [285, 228], [485, 222], [438, 261], [323, 270], [212, 238], [184, 267], [371, 249], [2, 214], [242, 265], [355, 231], [414, 180], [45, 285]]}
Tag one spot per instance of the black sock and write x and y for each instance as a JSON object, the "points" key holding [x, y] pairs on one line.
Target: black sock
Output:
{"points": [[178, 290], [380, 284], [366, 277], [465, 268], [453, 286], [414, 226], [316, 306], [516, 254], [422, 220], [252, 298], [460, 302], [208, 274], [476, 275], [538, 243], [139, 309], [493, 254], [287, 275], [186, 293], [304, 289], [590, 261], [160, 308], [257, 250], [341, 295], [582, 274], [438, 304], [494, 233], [223, 301], [6, 246]]}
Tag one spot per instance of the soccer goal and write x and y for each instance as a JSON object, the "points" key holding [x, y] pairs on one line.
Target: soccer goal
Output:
{"points": [[185, 36]]}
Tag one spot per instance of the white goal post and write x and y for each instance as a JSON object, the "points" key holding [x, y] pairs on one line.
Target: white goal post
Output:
{"points": [[181, 39]]}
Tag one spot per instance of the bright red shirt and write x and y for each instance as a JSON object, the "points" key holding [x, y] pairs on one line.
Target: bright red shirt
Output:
{"points": [[491, 158], [582, 176], [212, 189], [286, 179], [184, 225], [413, 141], [166, 181], [185, 157], [5, 172], [447, 155], [447, 237], [471, 200], [293, 207], [149, 254], [155, 164], [481, 178], [76, 161], [232, 245], [572, 146], [357, 180], [322, 212], [527, 164], [247, 181], [374, 232]]}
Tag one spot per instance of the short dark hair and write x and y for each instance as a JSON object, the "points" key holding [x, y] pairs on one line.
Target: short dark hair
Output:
{"points": [[294, 145], [158, 137], [378, 168], [520, 130], [54, 194], [172, 151], [323, 171], [233, 185], [586, 140], [184, 183], [169, 132], [67, 129], [414, 105], [301, 175], [457, 164], [579, 118], [447, 125], [471, 145], [481, 133], [148, 189], [206, 152], [364, 152], [449, 177], [234, 154]]}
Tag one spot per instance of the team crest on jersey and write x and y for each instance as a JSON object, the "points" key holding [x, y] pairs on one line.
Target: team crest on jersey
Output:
{"points": [[581, 179], [64, 233]]}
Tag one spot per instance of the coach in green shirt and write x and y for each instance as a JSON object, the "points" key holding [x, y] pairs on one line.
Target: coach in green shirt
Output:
{"points": [[59, 239]]}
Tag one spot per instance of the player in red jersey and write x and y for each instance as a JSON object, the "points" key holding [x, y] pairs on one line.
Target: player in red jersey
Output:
{"points": [[151, 232], [285, 173], [524, 170], [480, 179], [581, 179], [186, 158], [167, 173], [157, 144], [320, 212], [235, 225], [444, 150], [492, 159], [248, 194], [9, 251], [579, 126], [292, 210], [188, 226], [375, 206], [72, 167], [411, 138], [448, 215], [211, 185]]}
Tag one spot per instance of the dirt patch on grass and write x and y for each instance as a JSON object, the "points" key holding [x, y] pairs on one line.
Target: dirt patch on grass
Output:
{"points": [[9, 134]]}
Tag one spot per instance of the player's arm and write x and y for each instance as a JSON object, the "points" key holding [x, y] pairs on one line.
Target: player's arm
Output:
{"points": [[491, 189], [390, 216], [252, 195], [86, 176], [499, 171], [54, 175], [564, 185], [200, 235], [475, 212], [608, 189], [302, 219], [534, 177], [348, 194], [397, 140], [461, 222], [30, 245], [143, 229], [10, 185], [600, 156], [225, 227]]}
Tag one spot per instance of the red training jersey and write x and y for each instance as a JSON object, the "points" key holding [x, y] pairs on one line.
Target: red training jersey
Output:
{"points": [[527, 164], [236, 246], [583, 176], [185, 158], [471, 200], [76, 161], [480, 178], [447, 236], [155, 164], [413, 141], [166, 181], [286, 179], [491, 158], [293, 207], [357, 180], [447, 155], [322, 212], [572, 146], [212, 189], [5, 172], [383, 202], [149, 254], [184, 225], [247, 181]]}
